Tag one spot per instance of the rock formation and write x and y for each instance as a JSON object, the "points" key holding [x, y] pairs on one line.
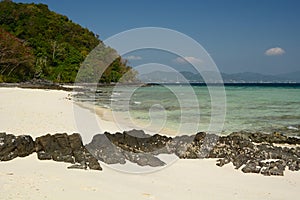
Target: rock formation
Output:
{"points": [[267, 154], [251, 152], [12, 147], [58, 147]]}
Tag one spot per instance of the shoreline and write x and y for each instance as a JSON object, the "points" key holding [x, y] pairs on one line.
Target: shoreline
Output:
{"points": [[37, 112], [106, 114]]}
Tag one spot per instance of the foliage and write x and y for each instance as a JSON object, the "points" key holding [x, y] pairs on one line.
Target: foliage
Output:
{"points": [[16, 59], [104, 65], [59, 46]]}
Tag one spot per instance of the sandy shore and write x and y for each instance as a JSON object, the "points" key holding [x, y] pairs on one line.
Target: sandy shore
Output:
{"points": [[37, 112]]}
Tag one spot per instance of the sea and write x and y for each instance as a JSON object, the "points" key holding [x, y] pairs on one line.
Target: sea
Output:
{"points": [[188, 109]]}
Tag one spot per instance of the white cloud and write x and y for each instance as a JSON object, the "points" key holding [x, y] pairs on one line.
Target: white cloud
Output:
{"points": [[277, 51], [190, 59], [133, 58]]}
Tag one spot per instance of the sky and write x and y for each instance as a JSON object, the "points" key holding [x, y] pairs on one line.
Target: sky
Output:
{"points": [[261, 36]]}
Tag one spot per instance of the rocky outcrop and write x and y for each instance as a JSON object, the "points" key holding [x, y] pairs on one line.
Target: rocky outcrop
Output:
{"points": [[134, 146], [275, 137], [266, 154], [43, 84], [138, 142], [250, 152], [15, 146], [65, 148], [58, 147], [261, 156]]}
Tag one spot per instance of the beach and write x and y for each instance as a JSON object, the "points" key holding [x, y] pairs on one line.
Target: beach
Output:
{"points": [[38, 112]]}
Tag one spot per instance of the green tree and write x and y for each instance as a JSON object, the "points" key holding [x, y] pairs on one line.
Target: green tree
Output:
{"points": [[16, 59]]}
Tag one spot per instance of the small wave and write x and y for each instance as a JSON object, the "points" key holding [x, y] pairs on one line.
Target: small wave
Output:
{"points": [[292, 128], [116, 94], [114, 100], [137, 103]]}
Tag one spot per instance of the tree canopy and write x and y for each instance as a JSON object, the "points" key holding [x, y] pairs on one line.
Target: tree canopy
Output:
{"points": [[51, 46], [16, 59]]}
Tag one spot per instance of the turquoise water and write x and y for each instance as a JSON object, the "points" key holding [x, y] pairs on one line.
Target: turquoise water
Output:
{"points": [[188, 108], [266, 109]]}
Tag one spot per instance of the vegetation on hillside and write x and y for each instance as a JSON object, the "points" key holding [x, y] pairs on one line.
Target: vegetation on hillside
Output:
{"points": [[16, 59], [52, 45], [113, 68]]}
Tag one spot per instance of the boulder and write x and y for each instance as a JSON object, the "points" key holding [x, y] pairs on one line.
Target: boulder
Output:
{"points": [[103, 150], [132, 146], [137, 141], [252, 167], [65, 148], [15, 146]]}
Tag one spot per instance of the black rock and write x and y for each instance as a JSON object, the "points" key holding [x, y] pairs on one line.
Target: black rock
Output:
{"points": [[144, 159], [65, 148], [42, 155], [94, 164], [25, 145], [272, 169], [75, 141], [250, 151], [102, 149], [15, 146], [137, 141], [252, 167], [222, 162], [240, 160], [132, 145]]}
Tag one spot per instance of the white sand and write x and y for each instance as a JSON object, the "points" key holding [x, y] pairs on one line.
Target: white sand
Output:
{"points": [[37, 112]]}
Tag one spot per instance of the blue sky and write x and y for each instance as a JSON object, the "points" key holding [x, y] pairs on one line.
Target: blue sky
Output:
{"points": [[236, 33]]}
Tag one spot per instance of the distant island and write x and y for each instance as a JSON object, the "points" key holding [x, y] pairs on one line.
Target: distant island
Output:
{"points": [[211, 77]]}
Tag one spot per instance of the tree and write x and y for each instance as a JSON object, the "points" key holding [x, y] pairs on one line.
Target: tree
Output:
{"points": [[16, 59]]}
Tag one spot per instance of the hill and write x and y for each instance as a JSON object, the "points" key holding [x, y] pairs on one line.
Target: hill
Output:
{"points": [[57, 45], [293, 76], [213, 77]]}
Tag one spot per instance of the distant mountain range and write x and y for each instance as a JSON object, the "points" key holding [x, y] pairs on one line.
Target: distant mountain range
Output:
{"points": [[213, 77]]}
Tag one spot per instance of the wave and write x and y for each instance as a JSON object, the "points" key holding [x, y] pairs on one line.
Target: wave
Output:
{"points": [[293, 128]]}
